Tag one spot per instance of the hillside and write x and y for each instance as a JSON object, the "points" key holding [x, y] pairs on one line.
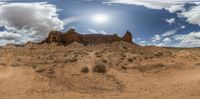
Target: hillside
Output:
{"points": [[114, 70]]}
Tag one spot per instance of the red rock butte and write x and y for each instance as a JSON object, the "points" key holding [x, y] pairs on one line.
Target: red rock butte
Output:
{"points": [[71, 36]]}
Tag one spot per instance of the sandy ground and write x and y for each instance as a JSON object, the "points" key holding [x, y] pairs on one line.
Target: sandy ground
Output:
{"points": [[131, 72]]}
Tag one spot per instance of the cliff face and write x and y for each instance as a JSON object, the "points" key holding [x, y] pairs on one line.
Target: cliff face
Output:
{"points": [[127, 37], [54, 36], [99, 38], [72, 36]]}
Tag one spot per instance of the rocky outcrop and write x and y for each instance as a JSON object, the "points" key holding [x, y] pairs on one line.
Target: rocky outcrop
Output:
{"points": [[87, 39], [99, 38], [127, 37], [71, 36], [54, 36]]}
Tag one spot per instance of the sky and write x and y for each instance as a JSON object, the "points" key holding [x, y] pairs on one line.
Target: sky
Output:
{"points": [[172, 23]]}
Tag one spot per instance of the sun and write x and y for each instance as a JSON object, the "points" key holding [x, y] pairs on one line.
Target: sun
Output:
{"points": [[100, 18]]}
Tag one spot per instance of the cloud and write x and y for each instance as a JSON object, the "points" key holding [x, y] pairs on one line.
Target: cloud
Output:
{"points": [[180, 40], [165, 35], [176, 8], [167, 40], [161, 45], [96, 31], [173, 6], [169, 33], [4, 42], [70, 20], [183, 27], [92, 31], [188, 40], [193, 15], [138, 38], [170, 21], [33, 21], [156, 38], [9, 36], [142, 42]]}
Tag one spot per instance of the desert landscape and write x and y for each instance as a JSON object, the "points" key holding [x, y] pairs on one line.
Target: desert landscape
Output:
{"points": [[109, 67], [99, 49]]}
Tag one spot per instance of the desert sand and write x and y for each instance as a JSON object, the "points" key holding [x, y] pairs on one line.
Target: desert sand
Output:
{"points": [[110, 71]]}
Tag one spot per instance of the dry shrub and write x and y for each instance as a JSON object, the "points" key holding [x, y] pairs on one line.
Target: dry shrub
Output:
{"points": [[104, 61], [3, 64], [71, 60], [124, 67], [99, 68], [130, 60], [15, 65], [159, 54], [98, 54], [40, 70], [85, 70]]}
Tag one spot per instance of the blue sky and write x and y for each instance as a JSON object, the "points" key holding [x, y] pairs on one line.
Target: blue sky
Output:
{"points": [[152, 22]]}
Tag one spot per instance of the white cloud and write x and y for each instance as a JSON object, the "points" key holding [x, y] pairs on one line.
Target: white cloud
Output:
{"points": [[165, 35], [175, 8], [96, 31], [9, 36], [142, 42], [183, 27], [92, 31], [31, 20], [155, 4], [193, 15], [170, 21], [70, 20], [156, 38], [161, 45], [189, 40], [169, 33], [138, 38], [103, 32], [180, 40], [167, 40], [4, 42]]}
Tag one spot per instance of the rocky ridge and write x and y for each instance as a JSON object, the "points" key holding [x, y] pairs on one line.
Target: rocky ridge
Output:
{"points": [[86, 39]]}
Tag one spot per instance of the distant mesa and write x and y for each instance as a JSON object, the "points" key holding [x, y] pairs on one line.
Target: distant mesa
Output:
{"points": [[71, 36]]}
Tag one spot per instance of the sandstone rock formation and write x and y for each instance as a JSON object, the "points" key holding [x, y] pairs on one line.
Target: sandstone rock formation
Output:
{"points": [[127, 37], [87, 39]]}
